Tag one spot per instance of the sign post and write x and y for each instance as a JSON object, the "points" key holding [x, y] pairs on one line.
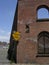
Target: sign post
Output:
{"points": [[16, 37]]}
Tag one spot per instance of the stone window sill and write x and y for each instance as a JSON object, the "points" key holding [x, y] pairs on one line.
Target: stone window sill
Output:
{"points": [[42, 55], [42, 20]]}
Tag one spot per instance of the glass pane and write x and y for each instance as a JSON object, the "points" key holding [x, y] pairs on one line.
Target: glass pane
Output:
{"points": [[46, 45], [41, 45], [43, 13]]}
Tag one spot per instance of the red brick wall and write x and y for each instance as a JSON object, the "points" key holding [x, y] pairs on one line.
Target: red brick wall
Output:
{"points": [[27, 48]]}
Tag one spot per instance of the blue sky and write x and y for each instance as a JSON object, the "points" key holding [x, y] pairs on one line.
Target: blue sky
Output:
{"points": [[43, 13], [7, 11]]}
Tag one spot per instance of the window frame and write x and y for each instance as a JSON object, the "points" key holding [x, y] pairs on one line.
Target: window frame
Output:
{"points": [[42, 19], [45, 34]]}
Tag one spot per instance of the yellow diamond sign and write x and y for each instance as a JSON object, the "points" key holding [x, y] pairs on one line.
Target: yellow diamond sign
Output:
{"points": [[16, 36]]}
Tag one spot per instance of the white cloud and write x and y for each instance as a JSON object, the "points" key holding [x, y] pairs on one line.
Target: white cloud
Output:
{"points": [[4, 35], [5, 38], [2, 31], [8, 33]]}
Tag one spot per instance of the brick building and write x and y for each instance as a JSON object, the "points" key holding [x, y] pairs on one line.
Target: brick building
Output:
{"points": [[33, 46]]}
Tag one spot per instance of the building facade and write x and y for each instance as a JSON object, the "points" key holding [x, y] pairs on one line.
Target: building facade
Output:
{"points": [[33, 46]]}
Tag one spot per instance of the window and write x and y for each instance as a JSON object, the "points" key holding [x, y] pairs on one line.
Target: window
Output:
{"points": [[43, 44], [42, 13]]}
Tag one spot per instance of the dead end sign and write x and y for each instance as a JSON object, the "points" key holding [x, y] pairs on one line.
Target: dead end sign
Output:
{"points": [[16, 36]]}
